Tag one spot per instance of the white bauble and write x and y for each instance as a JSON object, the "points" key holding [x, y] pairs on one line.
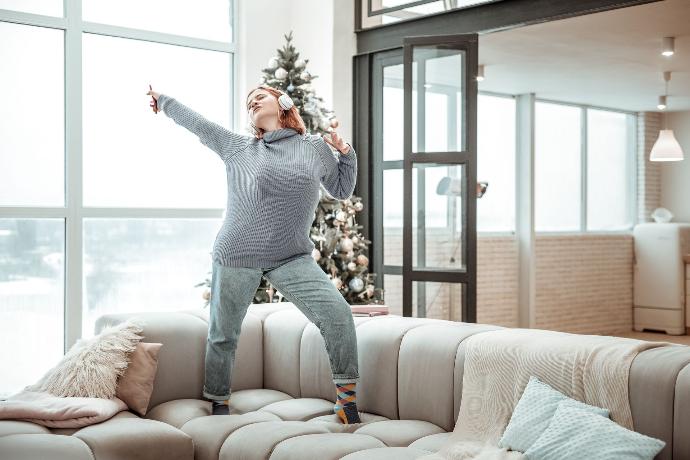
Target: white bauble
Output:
{"points": [[273, 63], [346, 245], [337, 282], [356, 284], [355, 239], [352, 266], [359, 206], [281, 74], [304, 75], [300, 63], [341, 216], [316, 254]]}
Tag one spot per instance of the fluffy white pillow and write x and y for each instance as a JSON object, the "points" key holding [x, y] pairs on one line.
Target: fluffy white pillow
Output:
{"points": [[92, 366]]}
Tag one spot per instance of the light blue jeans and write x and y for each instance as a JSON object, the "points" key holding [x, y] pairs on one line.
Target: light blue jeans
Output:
{"points": [[303, 283]]}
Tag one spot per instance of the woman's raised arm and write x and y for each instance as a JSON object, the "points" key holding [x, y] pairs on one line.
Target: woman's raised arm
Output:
{"points": [[219, 139]]}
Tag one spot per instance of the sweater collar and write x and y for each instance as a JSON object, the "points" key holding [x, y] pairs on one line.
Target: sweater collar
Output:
{"points": [[280, 133]]}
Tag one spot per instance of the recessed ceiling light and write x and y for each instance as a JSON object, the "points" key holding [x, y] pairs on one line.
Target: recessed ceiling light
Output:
{"points": [[667, 46]]}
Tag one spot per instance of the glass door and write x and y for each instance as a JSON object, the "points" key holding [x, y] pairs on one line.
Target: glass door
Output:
{"points": [[439, 176], [423, 134]]}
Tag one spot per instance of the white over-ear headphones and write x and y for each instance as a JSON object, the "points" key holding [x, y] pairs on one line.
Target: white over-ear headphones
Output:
{"points": [[285, 102]]}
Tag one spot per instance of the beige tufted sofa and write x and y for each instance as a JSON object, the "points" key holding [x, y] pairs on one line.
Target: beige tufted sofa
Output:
{"points": [[409, 394]]}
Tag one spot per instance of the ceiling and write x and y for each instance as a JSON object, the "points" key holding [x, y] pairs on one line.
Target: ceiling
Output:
{"points": [[611, 59]]}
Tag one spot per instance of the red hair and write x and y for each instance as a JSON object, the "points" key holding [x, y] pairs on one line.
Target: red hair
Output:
{"points": [[287, 118]]}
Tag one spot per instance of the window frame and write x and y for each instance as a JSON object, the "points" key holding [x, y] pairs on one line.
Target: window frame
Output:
{"points": [[74, 212]]}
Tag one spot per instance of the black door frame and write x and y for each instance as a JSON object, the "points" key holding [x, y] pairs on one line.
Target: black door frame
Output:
{"points": [[467, 156]]}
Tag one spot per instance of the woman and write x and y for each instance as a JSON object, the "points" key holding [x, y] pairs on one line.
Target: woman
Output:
{"points": [[273, 190]]}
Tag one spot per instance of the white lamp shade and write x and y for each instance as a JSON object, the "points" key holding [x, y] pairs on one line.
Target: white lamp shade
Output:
{"points": [[666, 147]]}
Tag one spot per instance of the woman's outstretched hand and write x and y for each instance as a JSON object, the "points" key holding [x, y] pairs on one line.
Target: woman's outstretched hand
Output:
{"points": [[337, 142], [154, 99]]}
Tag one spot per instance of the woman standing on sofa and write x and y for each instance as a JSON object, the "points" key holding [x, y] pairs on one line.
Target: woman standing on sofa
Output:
{"points": [[273, 189]]}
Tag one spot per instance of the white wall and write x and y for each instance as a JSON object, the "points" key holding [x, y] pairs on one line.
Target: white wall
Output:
{"points": [[675, 176], [315, 24]]}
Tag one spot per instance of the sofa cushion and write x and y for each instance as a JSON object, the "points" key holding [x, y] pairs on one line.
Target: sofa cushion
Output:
{"points": [[378, 346], [425, 386], [8, 427], [128, 436], [180, 371], [250, 400], [328, 446], [655, 372], [400, 433], [432, 443], [681, 416], [335, 425], [209, 433], [300, 409], [179, 411], [44, 446], [387, 453], [257, 441]]}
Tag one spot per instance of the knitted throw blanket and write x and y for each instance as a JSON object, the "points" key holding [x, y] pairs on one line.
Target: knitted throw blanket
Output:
{"points": [[498, 364]]}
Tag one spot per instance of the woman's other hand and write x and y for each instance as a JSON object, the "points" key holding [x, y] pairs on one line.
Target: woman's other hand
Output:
{"points": [[154, 99], [337, 142]]}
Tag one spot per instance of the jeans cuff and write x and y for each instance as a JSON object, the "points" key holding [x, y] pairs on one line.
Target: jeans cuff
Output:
{"points": [[208, 395], [341, 379]]}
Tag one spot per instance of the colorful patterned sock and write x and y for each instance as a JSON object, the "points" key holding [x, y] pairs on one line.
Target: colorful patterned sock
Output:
{"points": [[346, 405], [219, 407]]}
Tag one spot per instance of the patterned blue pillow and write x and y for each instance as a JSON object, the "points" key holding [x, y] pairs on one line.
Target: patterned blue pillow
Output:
{"points": [[533, 413], [574, 434]]}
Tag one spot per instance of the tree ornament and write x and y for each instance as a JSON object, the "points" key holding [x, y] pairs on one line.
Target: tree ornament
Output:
{"points": [[290, 88], [300, 63], [356, 284], [273, 63], [337, 282], [346, 245], [359, 206], [281, 74], [304, 75], [355, 240], [362, 260], [341, 216], [352, 266], [316, 254], [334, 123]]}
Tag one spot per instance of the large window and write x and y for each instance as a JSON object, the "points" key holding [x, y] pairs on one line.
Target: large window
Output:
{"points": [[496, 162], [105, 207], [584, 168]]}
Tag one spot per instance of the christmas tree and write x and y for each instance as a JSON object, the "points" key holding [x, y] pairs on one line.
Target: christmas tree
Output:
{"points": [[287, 72], [340, 250]]}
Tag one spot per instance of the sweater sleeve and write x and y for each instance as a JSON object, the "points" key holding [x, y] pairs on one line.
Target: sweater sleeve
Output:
{"points": [[339, 173], [219, 139]]}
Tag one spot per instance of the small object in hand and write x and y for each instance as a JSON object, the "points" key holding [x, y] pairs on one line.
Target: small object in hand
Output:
{"points": [[154, 102]]}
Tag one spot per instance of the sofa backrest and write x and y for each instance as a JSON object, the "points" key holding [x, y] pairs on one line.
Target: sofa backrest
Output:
{"points": [[410, 368]]}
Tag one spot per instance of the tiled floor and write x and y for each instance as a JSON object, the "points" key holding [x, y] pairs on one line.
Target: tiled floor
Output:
{"points": [[657, 337]]}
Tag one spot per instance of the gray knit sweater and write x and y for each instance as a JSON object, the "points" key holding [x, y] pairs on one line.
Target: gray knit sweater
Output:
{"points": [[273, 188]]}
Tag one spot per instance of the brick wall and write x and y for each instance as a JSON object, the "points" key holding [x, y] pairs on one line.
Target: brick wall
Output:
{"points": [[584, 283]]}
